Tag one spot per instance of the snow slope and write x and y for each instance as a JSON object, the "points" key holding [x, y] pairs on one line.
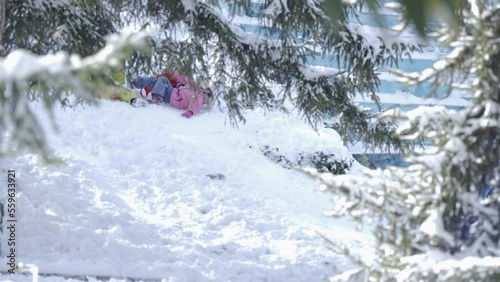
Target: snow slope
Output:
{"points": [[144, 193]]}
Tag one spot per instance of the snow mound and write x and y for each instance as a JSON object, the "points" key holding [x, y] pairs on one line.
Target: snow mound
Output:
{"points": [[143, 193]]}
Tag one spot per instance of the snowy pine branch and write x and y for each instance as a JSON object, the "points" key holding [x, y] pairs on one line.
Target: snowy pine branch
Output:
{"points": [[241, 66], [439, 218], [60, 78], [49, 26]]}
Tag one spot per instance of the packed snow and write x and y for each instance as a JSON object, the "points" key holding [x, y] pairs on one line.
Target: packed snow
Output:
{"points": [[145, 194]]}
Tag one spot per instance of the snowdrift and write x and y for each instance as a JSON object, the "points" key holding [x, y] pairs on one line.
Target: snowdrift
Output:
{"points": [[145, 194]]}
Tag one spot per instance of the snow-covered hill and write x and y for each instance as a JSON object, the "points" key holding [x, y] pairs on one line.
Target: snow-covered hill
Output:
{"points": [[144, 193]]}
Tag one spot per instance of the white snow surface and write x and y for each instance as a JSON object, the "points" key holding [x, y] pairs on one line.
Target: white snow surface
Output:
{"points": [[133, 199]]}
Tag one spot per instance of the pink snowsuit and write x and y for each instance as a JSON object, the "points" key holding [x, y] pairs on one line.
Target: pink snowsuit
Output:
{"points": [[185, 97]]}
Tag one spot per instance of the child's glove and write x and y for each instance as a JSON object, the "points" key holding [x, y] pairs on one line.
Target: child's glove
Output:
{"points": [[187, 114]]}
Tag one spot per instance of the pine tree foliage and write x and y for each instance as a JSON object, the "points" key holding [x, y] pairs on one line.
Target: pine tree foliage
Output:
{"points": [[200, 38], [61, 79], [439, 219], [48, 26], [42, 27]]}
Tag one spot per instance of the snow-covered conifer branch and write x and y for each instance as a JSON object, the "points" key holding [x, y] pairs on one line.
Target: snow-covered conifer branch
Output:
{"points": [[439, 218], [60, 78]]}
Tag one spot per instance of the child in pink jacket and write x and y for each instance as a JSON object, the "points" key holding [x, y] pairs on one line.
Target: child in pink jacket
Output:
{"points": [[185, 97], [174, 89]]}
